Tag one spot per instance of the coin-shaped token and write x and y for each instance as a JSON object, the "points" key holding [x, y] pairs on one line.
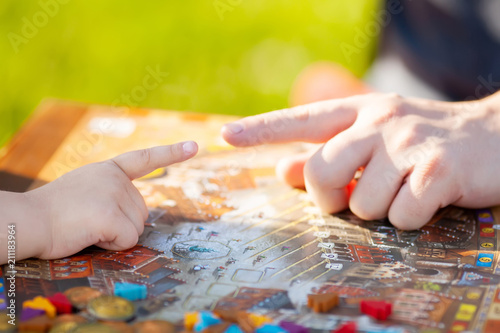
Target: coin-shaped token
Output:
{"points": [[69, 318], [111, 308], [66, 327], [120, 326], [154, 326], [81, 296], [4, 323], [94, 328]]}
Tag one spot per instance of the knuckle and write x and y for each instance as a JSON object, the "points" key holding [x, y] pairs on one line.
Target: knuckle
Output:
{"points": [[407, 137], [175, 150], [435, 167], [145, 156], [301, 113], [110, 213], [389, 108]]}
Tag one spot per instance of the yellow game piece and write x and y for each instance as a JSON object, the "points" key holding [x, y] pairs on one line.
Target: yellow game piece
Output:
{"points": [[190, 319], [259, 320], [155, 174], [41, 303]]}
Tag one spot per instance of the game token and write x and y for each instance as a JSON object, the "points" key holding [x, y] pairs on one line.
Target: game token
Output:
{"points": [[28, 313], [94, 328], [269, 328], [190, 319], [377, 309], [217, 328], [61, 303], [206, 319], [4, 323], [227, 315], [41, 303], [233, 329], [154, 326], [259, 320], [131, 291], [64, 327], [119, 326], [349, 327], [38, 324], [81, 296], [69, 318], [322, 302], [111, 308], [292, 327]]}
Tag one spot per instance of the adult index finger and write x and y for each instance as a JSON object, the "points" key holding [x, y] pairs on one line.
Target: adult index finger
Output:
{"points": [[316, 122]]}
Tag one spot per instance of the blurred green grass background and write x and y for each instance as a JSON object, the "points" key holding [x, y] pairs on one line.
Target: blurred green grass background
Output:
{"points": [[222, 56]]}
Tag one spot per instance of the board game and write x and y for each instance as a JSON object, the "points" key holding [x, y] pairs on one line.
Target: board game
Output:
{"points": [[224, 233]]}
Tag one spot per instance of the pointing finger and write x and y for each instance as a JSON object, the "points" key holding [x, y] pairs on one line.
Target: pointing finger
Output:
{"points": [[138, 163], [316, 122]]}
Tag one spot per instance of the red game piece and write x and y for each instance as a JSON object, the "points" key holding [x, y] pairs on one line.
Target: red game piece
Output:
{"points": [[61, 302], [377, 309], [349, 327]]}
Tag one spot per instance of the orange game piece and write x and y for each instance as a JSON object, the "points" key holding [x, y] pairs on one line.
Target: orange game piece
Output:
{"points": [[41, 303], [322, 302]]}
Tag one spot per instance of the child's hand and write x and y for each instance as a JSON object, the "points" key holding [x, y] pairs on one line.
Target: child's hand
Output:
{"points": [[98, 204], [419, 155]]}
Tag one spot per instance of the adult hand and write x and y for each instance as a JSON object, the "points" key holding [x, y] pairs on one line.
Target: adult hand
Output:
{"points": [[418, 155]]}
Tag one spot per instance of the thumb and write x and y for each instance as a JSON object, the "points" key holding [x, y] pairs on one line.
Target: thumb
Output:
{"points": [[138, 163]]}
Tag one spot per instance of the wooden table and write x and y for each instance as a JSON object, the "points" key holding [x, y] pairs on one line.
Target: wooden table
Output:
{"points": [[56, 123]]}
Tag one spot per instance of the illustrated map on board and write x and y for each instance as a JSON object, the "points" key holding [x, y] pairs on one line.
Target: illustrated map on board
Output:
{"points": [[224, 233]]}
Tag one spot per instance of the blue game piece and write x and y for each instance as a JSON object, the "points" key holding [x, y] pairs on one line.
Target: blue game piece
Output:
{"points": [[131, 291], [485, 260], [2, 287], [206, 319], [292, 327], [269, 328], [233, 329]]}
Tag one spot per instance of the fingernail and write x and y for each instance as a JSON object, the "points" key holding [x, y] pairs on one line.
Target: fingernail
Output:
{"points": [[233, 128], [188, 147]]}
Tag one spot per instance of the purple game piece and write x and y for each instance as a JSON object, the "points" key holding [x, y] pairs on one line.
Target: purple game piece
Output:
{"points": [[29, 313], [3, 302], [292, 327], [484, 215]]}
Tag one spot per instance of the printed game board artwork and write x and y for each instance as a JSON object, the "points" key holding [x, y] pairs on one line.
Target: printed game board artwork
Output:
{"points": [[224, 233]]}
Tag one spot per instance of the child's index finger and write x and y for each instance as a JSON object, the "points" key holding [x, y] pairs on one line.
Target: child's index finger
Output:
{"points": [[138, 163]]}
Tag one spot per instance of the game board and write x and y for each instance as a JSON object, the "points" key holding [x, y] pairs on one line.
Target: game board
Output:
{"points": [[224, 233]]}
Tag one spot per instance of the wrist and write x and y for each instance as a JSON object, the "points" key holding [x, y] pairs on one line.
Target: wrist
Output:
{"points": [[37, 233]]}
